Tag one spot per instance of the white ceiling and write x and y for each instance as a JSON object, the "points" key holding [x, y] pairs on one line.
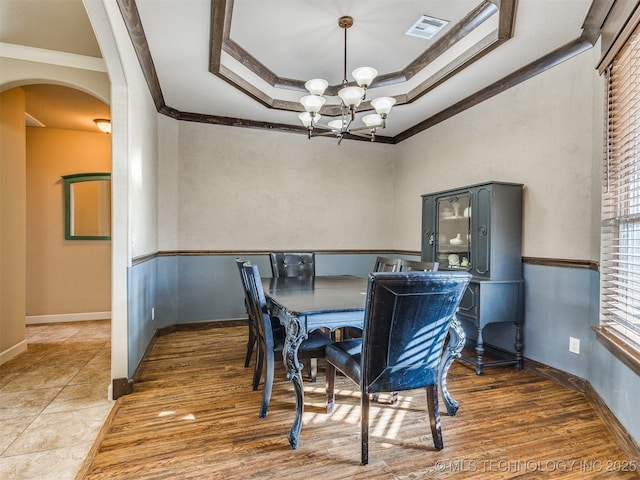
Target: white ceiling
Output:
{"points": [[300, 39]]}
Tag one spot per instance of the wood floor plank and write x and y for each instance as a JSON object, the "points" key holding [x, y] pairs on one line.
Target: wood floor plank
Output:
{"points": [[193, 415]]}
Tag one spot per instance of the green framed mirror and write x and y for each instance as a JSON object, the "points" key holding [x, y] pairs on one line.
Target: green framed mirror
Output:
{"points": [[87, 206]]}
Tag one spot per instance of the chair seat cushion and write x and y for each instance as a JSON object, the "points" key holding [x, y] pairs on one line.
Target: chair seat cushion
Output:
{"points": [[345, 356], [312, 347]]}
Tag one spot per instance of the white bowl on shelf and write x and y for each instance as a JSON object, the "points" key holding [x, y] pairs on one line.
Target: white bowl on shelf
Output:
{"points": [[457, 240]]}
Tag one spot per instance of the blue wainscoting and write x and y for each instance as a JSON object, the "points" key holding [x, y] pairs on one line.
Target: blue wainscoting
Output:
{"points": [[560, 302], [142, 293], [618, 386], [208, 286]]}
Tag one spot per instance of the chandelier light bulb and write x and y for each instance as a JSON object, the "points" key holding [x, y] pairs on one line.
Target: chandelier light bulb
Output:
{"points": [[312, 103], [306, 119], [316, 86], [364, 76], [383, 105], [336, 125], [372, 120], [351, 96]]}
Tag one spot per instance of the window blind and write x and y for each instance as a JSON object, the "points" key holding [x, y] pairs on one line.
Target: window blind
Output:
{"points": [[620, 241]]}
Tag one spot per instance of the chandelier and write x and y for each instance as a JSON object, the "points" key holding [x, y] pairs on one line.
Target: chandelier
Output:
{"points": [[351, 97]]}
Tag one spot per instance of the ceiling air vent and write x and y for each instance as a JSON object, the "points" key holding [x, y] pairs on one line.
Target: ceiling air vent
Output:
{"points": [[426, 27]]}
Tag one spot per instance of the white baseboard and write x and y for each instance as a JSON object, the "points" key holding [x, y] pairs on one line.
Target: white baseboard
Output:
{"points": [[67, 317], [12, 352]]}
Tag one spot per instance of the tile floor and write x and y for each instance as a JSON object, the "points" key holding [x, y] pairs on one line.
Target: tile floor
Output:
{"points": [[53, 400]]}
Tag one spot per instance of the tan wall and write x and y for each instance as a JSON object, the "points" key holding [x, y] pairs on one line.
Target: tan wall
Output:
{"points": [[12, 223], [63, 276], [545, 133], [239, 188]]}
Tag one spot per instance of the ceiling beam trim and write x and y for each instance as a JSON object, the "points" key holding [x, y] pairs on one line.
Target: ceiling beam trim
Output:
{"points": [[530, 70], [586, 41], [131, 17], [221, 17]]}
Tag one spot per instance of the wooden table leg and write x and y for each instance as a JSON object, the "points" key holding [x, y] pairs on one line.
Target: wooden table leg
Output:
{"points": [[452, 351], [295, 336]]}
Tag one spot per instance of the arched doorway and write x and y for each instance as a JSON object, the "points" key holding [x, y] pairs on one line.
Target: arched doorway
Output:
{"points": [[66, 280], [24, 65]]}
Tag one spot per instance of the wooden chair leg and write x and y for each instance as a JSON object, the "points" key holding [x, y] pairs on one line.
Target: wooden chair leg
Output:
{"points": [[364, 429], [330, 382], [268, 385], [434, 416], [312, 370]]}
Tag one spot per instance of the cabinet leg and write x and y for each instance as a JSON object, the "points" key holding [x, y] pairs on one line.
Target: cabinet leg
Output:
{"points": [[479, 352], [518, 346]]}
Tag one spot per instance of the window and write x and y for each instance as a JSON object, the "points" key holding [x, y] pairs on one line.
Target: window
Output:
{"points": [[620, 259]]}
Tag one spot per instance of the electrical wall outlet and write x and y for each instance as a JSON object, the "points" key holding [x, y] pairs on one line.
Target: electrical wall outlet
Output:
{"points": [[574, 345], [153, 313]]}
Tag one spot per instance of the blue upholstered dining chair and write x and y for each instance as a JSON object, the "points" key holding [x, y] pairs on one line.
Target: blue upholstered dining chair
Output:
{"points": [[405, 266], [407, 316], [383, 264], [271, 340], [293, 264]]}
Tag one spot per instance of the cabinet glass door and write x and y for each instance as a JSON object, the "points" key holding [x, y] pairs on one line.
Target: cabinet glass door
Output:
{"points": [[453, 250]]}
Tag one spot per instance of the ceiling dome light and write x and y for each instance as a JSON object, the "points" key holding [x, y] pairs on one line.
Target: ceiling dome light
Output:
{"points": [[103, 124]]}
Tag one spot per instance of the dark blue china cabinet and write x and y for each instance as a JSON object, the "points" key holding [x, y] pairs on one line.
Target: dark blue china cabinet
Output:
{"points": [[478, 228]]}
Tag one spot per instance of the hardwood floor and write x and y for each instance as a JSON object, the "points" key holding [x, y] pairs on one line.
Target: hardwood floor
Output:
{"points": [[194, 416]]}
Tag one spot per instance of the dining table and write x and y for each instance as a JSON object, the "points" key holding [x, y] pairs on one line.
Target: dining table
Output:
{"points": [[305, 304]]}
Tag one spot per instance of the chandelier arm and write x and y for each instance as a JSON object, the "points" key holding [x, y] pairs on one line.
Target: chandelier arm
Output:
{"points": [[360, 129], [323, 127], [355, 133], [324, 134], [345, 128]]}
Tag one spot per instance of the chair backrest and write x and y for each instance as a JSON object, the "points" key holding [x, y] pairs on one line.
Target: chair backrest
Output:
{"points": [[384, 264], [243, 279], [293, 264], [407, 317], [413, 266], [258, 304]]}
